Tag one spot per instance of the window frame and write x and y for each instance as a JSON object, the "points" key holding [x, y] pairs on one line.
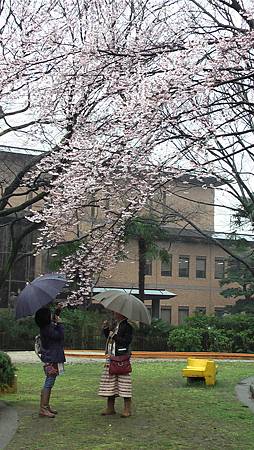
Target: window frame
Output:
{"points": [[183, 308], [219, 260], [149, 264], [180, 259], [167, 273], [201, 258]]}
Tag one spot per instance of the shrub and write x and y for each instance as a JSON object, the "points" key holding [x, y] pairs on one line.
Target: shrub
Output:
{"points": [[7, 371], [16, 334], [82, 328], [217, 341], [151, 337], [243, 341], [183, 339]]}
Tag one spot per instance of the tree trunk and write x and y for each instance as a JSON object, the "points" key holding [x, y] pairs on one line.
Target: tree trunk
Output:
{"points": [[16, 244], [141, 268]]}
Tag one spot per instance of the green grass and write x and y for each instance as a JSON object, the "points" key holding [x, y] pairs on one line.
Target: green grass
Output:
{"points": [[167, 413]]}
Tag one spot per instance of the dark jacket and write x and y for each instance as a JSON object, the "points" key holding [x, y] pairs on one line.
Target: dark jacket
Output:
{"points": [[52, 341], [122, 339]]}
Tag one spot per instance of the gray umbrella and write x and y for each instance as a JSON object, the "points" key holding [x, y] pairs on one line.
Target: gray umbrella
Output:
{"points": [[126, 304], [39, 293]]}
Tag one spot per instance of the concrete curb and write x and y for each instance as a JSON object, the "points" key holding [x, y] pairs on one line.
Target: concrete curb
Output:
{"points": [[8, 423], [98, 354]]}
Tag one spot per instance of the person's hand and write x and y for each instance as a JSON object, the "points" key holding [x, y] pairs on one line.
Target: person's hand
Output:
{"points": [[57, 319], [105, 324]]}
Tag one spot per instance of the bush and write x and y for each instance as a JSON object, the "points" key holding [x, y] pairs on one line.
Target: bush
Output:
{"points": [[151, 337], [185, 340], [243, 341], [7, 371], [230, 333], [82, 328], [18, 335], [217, 341]]}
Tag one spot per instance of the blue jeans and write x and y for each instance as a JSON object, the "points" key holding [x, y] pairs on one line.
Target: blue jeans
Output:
{"points": [[49, 382]]}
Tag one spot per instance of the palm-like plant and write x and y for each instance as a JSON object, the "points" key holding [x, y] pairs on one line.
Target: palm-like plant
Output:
{"points": [[148, 230]]}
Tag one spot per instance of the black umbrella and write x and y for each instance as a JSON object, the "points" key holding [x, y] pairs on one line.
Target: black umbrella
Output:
{"points": [[38, 293]]}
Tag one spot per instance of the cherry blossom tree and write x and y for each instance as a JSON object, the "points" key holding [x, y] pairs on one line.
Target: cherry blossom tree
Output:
{"points": [[135, 93]]}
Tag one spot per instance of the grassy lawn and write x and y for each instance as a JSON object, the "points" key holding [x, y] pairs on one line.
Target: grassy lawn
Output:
{"points": [[167, 414]]}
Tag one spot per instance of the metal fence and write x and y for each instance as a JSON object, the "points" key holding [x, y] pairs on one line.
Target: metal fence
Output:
{"points": [[76, 342]]}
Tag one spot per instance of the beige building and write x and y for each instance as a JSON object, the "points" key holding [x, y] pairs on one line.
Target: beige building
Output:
{"points": [[196, 264], [193, 274]]}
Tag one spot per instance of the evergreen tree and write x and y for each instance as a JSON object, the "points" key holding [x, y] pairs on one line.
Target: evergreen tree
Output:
{"points": [[238, 279]]}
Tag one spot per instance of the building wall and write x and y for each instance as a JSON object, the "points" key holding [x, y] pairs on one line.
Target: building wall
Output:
{"points": [[191, 292], [191, 200]]}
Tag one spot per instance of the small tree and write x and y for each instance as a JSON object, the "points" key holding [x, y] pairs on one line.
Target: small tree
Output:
{"points": [[238, 278], [148, 231]]}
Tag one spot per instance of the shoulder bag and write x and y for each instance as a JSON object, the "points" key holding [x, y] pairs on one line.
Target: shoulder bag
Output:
{"points": [[120, 365]]}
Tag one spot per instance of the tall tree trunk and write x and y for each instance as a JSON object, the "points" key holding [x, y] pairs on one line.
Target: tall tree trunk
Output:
{"points": [[141, 268], [16, 245]]}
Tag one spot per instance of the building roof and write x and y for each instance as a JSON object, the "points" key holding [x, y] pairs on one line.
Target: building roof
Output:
{"points": [[189, 234], [20, 150], [149, 293]]}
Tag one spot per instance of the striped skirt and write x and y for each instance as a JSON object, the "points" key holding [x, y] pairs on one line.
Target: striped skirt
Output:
{"points": [[117, 385]]}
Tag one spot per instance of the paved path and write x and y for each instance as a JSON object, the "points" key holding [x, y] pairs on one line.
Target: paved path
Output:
{"points": [[244, 394], [8, 423], [31, 357]]}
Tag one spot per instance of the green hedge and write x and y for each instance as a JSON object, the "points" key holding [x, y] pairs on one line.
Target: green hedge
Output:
{"points": [[231, 333], [16, 334], [82, 328]]}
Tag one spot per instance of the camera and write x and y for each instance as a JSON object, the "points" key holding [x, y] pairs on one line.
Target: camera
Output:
{"points": [[57, 313]]}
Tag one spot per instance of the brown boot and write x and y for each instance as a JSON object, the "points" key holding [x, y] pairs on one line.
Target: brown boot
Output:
{"points": [[53, 411], [44, 406], [127, 407], [110, 410]]}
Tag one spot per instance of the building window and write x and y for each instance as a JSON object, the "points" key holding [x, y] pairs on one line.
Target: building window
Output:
{"points": [[94, 208], [148, 267], [219, 311], [94, 212], [107, 204], [184, 266], [228, 309], [166, 267], [220, 266], [200, 267], [200, 310], [166, 314], [183, 313]]}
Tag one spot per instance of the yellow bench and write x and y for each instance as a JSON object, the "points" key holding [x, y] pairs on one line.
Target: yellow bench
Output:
{"points": [[201, 368]]}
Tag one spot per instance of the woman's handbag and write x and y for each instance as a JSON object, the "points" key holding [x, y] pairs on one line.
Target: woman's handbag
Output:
{"points": [[120, 365]]}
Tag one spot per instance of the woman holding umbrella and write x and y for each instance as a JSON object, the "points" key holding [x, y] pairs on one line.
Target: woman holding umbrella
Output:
{"points": [[35, 298], [52, 354], [113, 385], [113, 382]]}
